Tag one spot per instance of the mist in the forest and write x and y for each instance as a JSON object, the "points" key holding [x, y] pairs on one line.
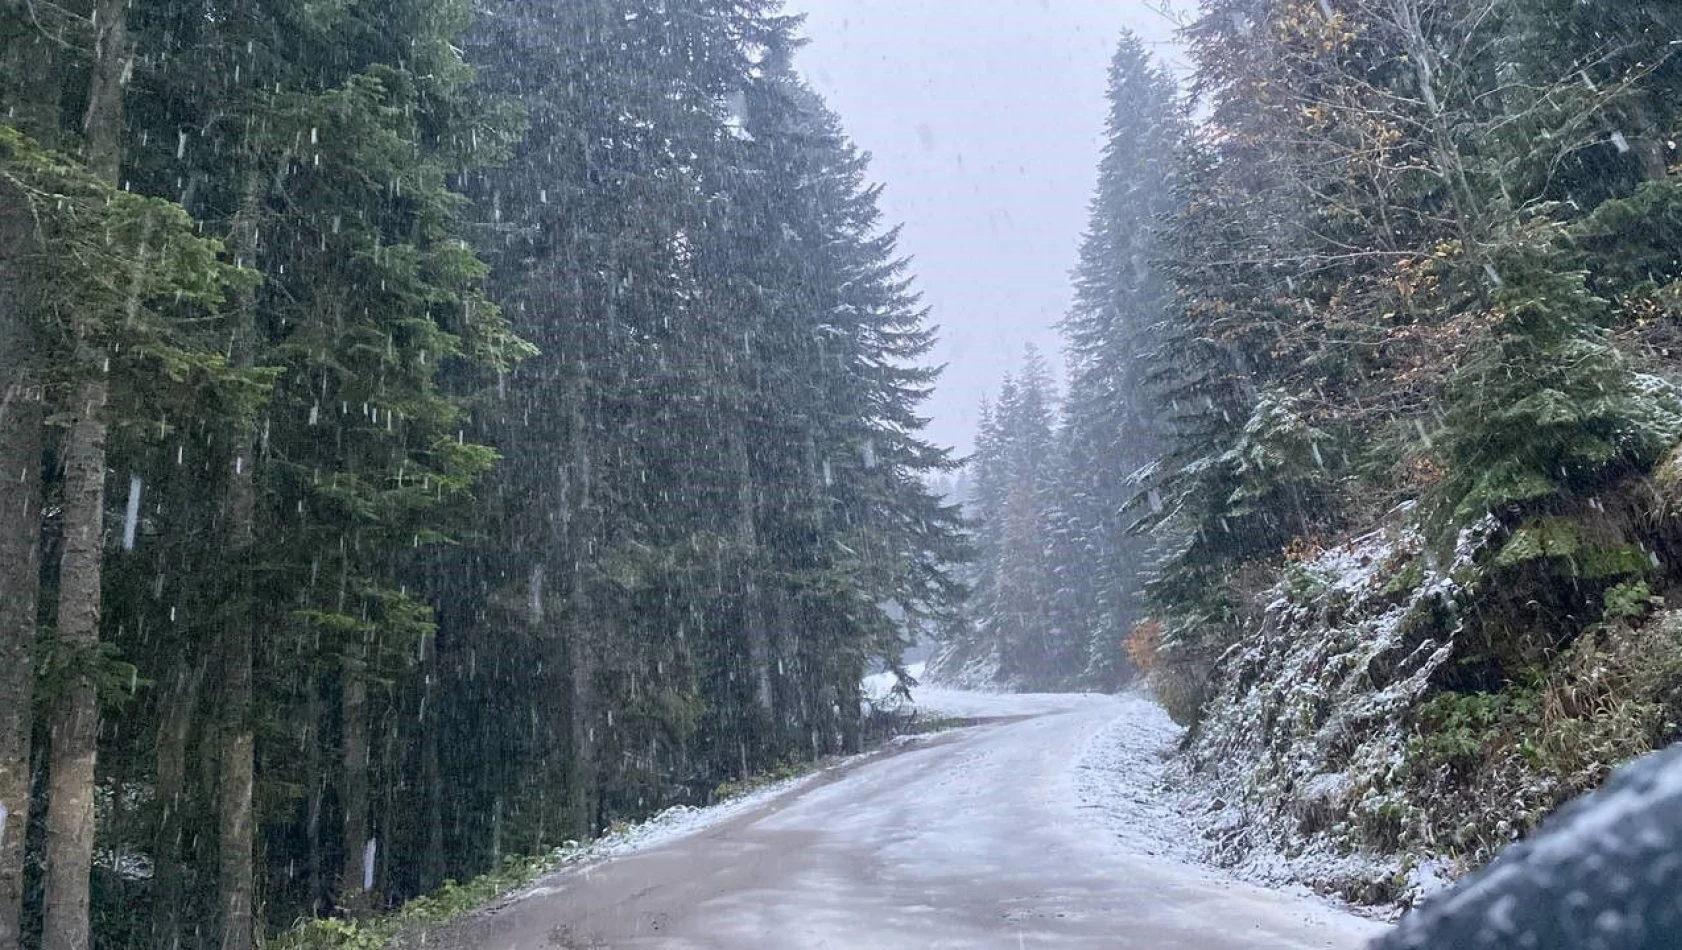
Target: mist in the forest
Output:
{"points": [[985, 119]]}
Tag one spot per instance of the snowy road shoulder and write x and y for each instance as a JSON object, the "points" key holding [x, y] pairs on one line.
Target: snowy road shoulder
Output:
{"points": [[1121, 782], [682, 821], [673, 824], [1118, 777]]}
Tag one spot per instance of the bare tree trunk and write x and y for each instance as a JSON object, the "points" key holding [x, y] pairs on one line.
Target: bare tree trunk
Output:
{"points": [[581, 764], [353, 696], [381, 819], [22, 412], [753, 602], [761, 722], [315, 775], [75, 722], [581, 771], [236, 840], [102, 124], [75, 725], [20, 534], [167, 893], [433, 870]]}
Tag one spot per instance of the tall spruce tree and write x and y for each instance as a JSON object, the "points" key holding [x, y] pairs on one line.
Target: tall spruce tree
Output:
{"points": [[1110, 420], [1017, 630]]}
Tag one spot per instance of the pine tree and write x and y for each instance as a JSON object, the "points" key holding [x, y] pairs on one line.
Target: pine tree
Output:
{"points": [[1018, 612], [779, 493], [1550, 409], [1110, 428], [316, 595], [128, 317]]}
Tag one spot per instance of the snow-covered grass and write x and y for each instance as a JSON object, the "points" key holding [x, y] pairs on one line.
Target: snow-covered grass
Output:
{"points": [[1345, 747], [1126, 777], [677, 822], [878, 687], [1119, 778], [1300, 771], [532, 876], [526, 877]]}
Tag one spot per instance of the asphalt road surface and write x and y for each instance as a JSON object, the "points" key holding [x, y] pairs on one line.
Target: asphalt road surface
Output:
{"points": [[968, 839]]}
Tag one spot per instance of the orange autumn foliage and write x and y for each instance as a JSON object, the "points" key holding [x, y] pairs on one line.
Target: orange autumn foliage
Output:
{"points": [[1143, 644]]}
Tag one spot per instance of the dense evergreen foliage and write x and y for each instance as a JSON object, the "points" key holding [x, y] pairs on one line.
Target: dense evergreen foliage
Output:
{"points": [[1416, 401], [431, 434], [1387, 291]]}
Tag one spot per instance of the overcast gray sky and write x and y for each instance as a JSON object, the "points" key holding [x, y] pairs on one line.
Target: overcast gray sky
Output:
{"points": [[984, 119]]}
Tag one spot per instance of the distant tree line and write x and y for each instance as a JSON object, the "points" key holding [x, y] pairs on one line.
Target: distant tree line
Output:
{"points": [[1058, 575], [429, 434]]}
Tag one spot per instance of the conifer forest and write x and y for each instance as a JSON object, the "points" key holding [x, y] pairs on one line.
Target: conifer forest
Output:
{"points": [[435, 431]]}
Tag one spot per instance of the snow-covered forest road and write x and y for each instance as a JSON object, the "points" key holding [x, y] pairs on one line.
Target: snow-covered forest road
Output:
{"points": [[970, 838]]}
